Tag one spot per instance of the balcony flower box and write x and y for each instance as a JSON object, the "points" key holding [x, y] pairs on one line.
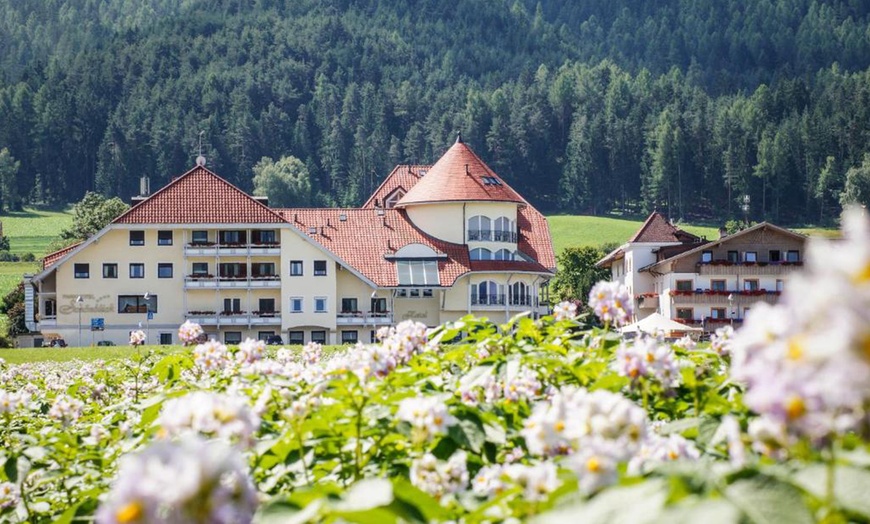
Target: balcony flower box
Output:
{"points": [[200, 313], [265, 277], [265, 244], [268, 314], [200, 277], [233, 313], [201, 244]]}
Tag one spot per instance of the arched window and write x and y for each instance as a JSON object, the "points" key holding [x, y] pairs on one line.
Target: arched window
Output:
{"points": [[504, 230], [504, 254], [480, 253], [488, 293], [479, 228], [520, 295], [391, 199]]}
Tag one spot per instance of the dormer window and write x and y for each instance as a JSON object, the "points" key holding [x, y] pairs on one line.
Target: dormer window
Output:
{"points": [[393, 198], [417, 272], [490, 181]]}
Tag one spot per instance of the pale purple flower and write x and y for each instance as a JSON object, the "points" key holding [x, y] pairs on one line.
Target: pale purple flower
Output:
{"points": [[438, 478], [189, 332], [537, 481], [209, 414], [10, 496], [250, 351], [211, 356], [66, 409], [565, 311], [428, 416], [647, 358], [611, 303], [137, 337]]}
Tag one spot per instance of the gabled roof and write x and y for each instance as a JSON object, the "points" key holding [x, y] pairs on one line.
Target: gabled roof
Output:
{"points": [[460, 176], [199, 197], [51, 258], [726, 240], [402, 177], [657, 229], [366, 241]]}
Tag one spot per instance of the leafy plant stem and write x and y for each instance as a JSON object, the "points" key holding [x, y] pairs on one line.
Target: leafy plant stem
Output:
{"points": [[302, 456]]}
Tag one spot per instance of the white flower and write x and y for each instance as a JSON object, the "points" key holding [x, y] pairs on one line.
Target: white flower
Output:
{"points": [[657, 449], [312, 353], [489, 481], [209, 414], [437, 478], [211, 355], [565, 310], [9, 495], [9, 401], [137, 337], [646, 357], [428, 416], [250, 351], [189, 332], [187, 481], [611, 303], [595, 466], [66, 409], [537, 481]]}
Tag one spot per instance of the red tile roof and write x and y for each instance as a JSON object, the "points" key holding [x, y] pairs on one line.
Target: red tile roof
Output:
{"points": [[364, 238], [458, 176], [507, 265], [49, 259], [199, 197], [657, 229], [402, 177]]}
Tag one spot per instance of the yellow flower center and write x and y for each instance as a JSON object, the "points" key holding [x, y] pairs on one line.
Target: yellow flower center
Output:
{"points": [[650, 357], [129, 513], [672, 455], [438, 421], [863, 276], [593, 465], [795, 408], [795, 348], [559, 426]]}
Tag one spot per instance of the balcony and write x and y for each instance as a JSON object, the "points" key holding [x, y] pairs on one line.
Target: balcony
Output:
{"points": [[487, 300], [647, 301], [234, 318], [722, 267], [483, 235], [210, 249], [364, 318], [212, 282], [738, 298]]}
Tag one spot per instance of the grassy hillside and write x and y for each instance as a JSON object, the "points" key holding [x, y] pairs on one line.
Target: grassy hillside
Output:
{"points": [[577, 230], [31, 230]]}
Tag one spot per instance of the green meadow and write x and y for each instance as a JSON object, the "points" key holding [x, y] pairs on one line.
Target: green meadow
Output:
{"points": [[32, 230]]}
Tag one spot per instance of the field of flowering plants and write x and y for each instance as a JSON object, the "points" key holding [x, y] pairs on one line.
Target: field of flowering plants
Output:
{"points": [[546, 421]]}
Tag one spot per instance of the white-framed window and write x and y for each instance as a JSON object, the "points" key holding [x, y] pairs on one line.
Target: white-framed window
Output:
{"points": [[504, 230], [320, 305], [504, 254], [137, 270], [480, 253], [296, 304], [488, 293], [479, 228], [750, 256], [417, 272], [520, 294]]}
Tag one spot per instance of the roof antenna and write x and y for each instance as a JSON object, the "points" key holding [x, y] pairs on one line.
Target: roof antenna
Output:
{"points": [[459, 137], [200, 160], [466, 170]]}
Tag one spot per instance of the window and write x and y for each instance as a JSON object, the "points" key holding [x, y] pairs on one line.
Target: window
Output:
{"points": [[82, 270], [520, 294], [318, 336], [780, 285], [479, 228], [417, 272], [414, 293], [295, 268], [349, 337], [231, 270], [165, 339], [296, 338], [232, 306], [490, 181], [379, 305], [717, 312], [684, 285], [706, 256], [750, 285], [487, 293], [233, 337], [164, 270], [137, 238], [266, 305], [262, 269], [348, 305], [231, 237], [137, 304], [733, 257], [504, 254], [137, 270], [480, 253], [263, 237], [199, 237], [320, 268], [164, 238], [200, 269], [793, 256], [717, 285], [427, 293], [504, 230], [320, 304], [110, 271], [685, 313], [774, 256], [750, 256], [296, 305], [264, 335]]}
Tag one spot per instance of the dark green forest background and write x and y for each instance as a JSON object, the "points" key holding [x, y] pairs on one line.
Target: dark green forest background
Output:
{"points": [[584, 106]]}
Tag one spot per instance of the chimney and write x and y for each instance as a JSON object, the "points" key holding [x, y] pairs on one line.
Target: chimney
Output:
{"points": [[144, 186], [723, 232], [327, 223]]}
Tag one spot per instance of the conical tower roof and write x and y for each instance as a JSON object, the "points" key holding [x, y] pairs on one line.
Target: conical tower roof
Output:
{"points": [[460, 176]]}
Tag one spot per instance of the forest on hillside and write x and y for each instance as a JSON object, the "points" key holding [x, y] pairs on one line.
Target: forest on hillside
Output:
{"points": [[583, 106]]}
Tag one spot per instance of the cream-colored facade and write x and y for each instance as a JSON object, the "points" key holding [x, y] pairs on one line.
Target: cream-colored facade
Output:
{"points": [[252, 280]]}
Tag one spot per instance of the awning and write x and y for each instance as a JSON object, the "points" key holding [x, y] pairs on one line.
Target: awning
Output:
{"points": [[655, 323]]}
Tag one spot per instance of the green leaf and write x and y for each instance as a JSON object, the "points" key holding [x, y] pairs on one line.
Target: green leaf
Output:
{"points": [[10, 467], [423, 504], [851, 486], [705, 511], [639, 503], [766, 500], [468, 434]]}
